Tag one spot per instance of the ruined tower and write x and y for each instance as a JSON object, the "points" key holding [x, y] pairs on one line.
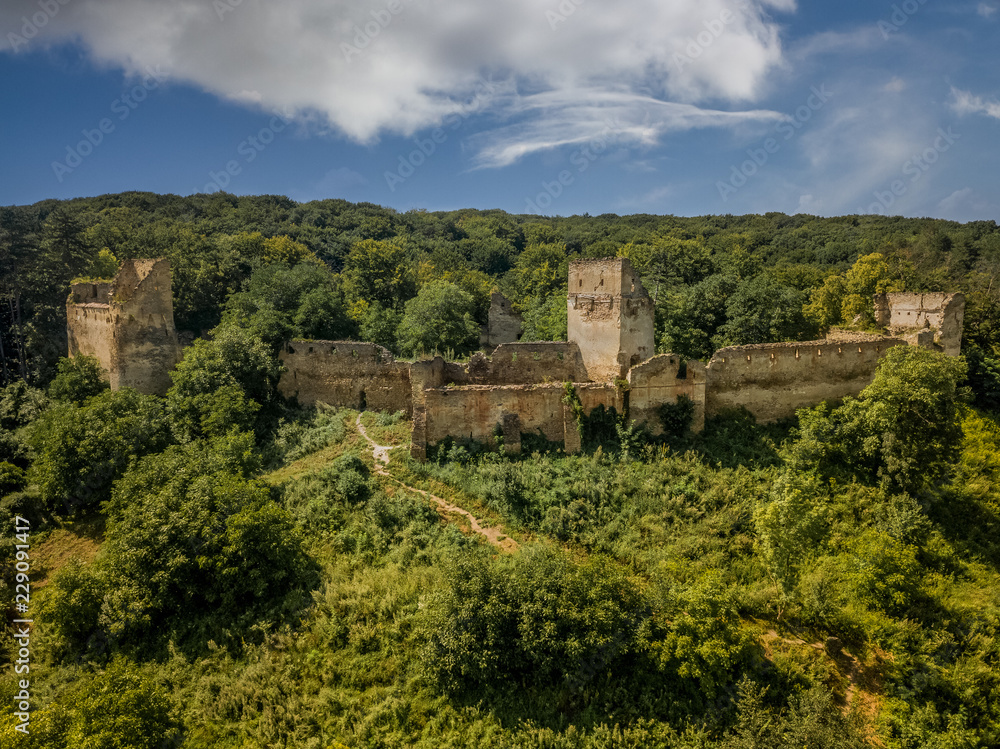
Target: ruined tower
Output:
{"points": [[933, 320], [610, 317], [127, 325]]}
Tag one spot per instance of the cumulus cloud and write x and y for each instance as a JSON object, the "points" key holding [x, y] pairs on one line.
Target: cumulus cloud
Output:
{"points": [[965, 102], [560, 68]]}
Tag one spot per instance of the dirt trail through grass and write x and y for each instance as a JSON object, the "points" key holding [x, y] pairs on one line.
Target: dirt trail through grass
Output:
{"points": [[495, 536]]}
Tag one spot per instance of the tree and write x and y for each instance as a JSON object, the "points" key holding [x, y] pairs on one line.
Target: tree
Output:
{"points": [[379, 271], [78, 451], [226, 375], [904, 430], [279, 302], [120, 709], [762, 310], [379, 324], [196, 545], [440, 318], [78, 379], [869, 276]]}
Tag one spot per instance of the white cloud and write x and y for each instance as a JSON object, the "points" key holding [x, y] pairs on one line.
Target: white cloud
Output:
{"points": [[955, 202], [964, 102], [369, 67], [986, 10], [895, 86], [597, 120]]}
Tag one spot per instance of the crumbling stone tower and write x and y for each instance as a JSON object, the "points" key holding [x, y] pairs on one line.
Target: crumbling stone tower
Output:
{"points": [[610, 317], [127, 325], [932, 320]]}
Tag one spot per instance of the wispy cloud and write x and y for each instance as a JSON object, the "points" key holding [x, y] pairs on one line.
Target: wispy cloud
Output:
{"points": [[987, 10], [965, 102], [373, 67], [578, 118]]}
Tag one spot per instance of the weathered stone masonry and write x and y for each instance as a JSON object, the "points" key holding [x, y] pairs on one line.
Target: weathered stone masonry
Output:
{"points": [[127, 325], [345, 373], [519, 389]]}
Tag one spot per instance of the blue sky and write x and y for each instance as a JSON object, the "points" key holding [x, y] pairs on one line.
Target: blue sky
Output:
{"points": [[686, 107]]}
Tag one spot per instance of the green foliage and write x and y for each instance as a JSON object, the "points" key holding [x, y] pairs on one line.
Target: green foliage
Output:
{"points": [[984, 379], [884, 573], [195, 547], [120, 709], [104, 265], [78, 379], [379, 271], [279, 302], [11, 478], [811, 721], [762, 310], [379, 325], [792, 525], [440, 318], [675, 418], [904, 429], [69, 610], [221, 384], [79, 451], [314, 430], [529, 620]]}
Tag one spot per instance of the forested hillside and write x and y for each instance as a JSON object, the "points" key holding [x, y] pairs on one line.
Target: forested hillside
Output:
{"points": [[222, 568]]}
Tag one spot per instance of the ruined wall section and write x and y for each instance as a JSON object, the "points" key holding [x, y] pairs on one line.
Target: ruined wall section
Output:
{"points": [[345, 373], [478, 412], [774, 380], [663, 379], [503, 323], [527, 363], [913, 315], [609, 316], [128, 326]]}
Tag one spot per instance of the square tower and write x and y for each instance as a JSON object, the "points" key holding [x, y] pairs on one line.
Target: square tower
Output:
{"points": [[610, 317]]}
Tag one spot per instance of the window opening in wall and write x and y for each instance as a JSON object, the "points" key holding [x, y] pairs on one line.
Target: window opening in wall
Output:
{"points": [[682, 369]]}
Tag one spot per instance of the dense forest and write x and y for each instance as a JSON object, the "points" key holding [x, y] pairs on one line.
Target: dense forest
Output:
{"points": [[220, 567]]}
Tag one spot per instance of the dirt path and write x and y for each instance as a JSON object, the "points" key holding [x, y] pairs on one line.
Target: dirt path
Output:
{"points": [[495, 536]]}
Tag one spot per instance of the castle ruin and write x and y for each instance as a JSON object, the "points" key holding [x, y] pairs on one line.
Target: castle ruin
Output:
{"points": [[609, 358], [128, 325]]}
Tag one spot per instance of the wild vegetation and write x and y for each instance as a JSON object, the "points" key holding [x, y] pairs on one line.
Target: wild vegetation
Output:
{"points": [[221, 568]]}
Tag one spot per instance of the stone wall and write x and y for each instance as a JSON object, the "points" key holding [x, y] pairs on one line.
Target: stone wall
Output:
{"points": [[774, 380], [527, 363], [609, 316], [127, 325], [479, 412], [345, 373], [663, 379]]}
